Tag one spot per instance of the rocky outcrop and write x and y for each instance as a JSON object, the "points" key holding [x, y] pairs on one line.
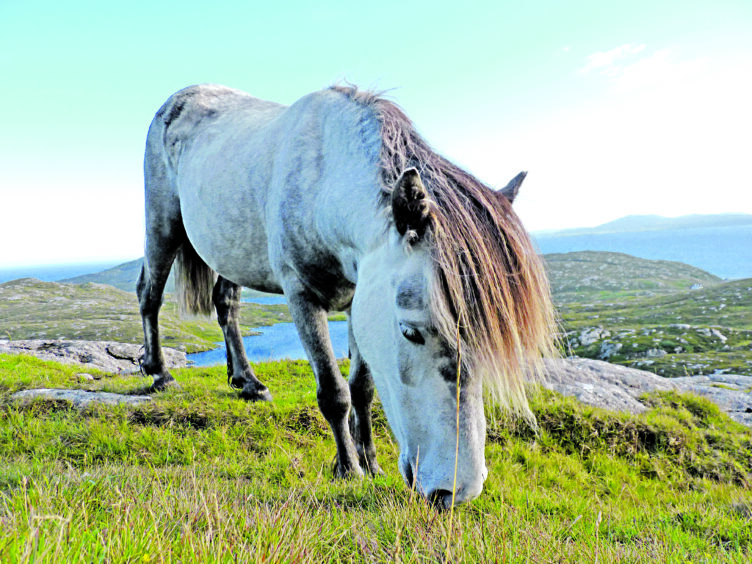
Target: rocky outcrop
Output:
{"points": [[107, 356], [731, 392], [619, 388], [79, 399], [601, 384]]}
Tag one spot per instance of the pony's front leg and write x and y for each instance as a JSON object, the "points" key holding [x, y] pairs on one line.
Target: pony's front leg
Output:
{"points": [[332, 392], [362, 391]]}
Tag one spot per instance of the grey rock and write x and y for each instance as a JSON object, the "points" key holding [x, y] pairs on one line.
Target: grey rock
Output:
{"points": [[108, 356], [601, 384], [592, 334], [80, 399], [618, 388], [731, 392], [608, 349]]}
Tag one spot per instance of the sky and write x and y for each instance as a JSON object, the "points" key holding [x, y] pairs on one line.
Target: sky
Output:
{"points": [[613, 108]]}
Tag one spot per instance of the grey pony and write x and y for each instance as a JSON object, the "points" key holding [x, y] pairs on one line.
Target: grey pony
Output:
{"points": [[246, 192]]}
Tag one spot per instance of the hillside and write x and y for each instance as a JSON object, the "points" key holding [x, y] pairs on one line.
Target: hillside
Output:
{"points": [[124, 277], [684, 333], [595, 276], [31, 309], [661, 316]]}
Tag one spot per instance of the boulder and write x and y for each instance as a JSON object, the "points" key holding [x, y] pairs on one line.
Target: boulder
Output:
{"points": [[108, 356], [79, 399], [619, 388], [601, 384], [731, 392]]}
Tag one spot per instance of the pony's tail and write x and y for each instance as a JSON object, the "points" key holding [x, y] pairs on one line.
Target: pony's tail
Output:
{"points": [[194, 282]]}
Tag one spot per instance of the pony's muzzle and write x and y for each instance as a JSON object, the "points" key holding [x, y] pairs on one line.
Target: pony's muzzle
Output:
{"points": [[440, 497]]}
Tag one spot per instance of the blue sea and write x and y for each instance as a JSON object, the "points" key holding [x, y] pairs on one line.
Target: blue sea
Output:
{"points": [[266, 300], [275, 342], [53, 272], [723, 251]]}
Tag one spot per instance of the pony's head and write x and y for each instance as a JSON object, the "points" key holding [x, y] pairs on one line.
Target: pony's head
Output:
{"points": [[436, 307], [454, 296]]}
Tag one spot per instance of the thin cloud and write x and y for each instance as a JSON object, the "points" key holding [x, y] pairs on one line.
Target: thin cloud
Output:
{"points": [[610, 62]]}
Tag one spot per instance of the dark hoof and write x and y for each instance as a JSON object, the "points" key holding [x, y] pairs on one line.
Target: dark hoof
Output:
{"points": [[162, 383], [368, 462], [236, 383], [346, 473], [373, 468], [256, 394]]}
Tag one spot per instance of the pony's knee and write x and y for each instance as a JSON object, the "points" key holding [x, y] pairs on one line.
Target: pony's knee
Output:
{"points": [[362, 388], [226, 300], [146, 301], [334, 403]]}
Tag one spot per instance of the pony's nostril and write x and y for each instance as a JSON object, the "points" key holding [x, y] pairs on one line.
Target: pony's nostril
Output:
{"points": [[407, 474], [441, 499]]}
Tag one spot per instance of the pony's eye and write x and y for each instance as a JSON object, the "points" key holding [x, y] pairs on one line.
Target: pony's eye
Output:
{"points": [[412, 334]]}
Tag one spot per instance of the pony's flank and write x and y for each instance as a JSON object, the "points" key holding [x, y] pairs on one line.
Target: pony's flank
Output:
{"points": [[487, 276]]}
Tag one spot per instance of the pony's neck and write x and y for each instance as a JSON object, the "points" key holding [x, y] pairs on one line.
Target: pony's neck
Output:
{"points": [[349, 212], [353, 225]]}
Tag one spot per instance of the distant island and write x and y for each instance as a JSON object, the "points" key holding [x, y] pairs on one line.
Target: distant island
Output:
{"points": [[637, 223], [720, 244]]}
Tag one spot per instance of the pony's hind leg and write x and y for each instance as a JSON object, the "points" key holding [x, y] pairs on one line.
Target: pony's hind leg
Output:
{"points": [[150, 288], [226, 298]]}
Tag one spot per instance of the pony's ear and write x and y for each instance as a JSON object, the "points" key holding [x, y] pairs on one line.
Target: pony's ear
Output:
{"points": [[510, 190], [410, 204]]}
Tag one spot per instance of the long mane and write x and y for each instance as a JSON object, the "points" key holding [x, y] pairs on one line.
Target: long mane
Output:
{"points": [[488, 280]]}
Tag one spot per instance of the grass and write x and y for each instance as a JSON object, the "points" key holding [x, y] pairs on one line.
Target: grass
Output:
{"points": [[201, 476]]}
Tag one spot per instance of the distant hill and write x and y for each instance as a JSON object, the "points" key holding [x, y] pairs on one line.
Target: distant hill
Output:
{"points": [[719, 244], [32, 309], [122, 276], [589, 276], [635, 223]]}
